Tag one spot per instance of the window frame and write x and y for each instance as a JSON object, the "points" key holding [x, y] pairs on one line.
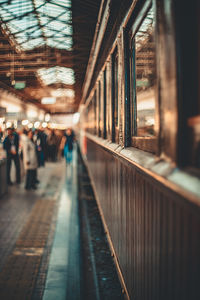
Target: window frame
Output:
{"points": [[99, 108], [149, 144], [105, 103], [115, 98]]}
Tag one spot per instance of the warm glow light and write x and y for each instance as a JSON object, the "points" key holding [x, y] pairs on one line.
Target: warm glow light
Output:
{"points": [[48, 100], [8, 124], [37, 124], [31, 114], [58, 126], [25, 122], [44, 124], [2, 120], [30, 125], [76, 118], [53, 125], [47, 117], [15, 123], [10, 107], [41, 116]]}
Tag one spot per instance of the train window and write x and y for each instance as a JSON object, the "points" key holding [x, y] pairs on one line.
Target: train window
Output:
{"points": [[194, 140], [99, 109], [115, 128], [104, 104], [143, 83], [90, 116], [95, 112], [193, 121]]}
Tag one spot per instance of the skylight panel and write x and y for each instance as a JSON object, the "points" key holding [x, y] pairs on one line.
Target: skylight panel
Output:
{"points": [[51, 12], [57, 75], [32, 44], [65, 3], [44, 20], [56, 24], [52, 43], [60, 44], [66, 75], [55, 17], [66, 17], [21, 38], [63, 93], [17, 9], [22, 24], [36, 33], [66, 30]]}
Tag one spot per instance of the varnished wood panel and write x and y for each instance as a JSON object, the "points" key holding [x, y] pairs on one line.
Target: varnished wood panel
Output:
{"points": [[154, 231]]}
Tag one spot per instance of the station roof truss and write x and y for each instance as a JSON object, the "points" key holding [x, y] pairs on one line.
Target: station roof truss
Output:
{"points": [[46, 44]]}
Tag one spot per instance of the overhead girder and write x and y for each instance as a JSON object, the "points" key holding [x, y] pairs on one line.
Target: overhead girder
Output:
{"points": [[27, 62]]}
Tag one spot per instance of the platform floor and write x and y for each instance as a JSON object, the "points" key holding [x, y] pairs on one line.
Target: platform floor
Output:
{"points": [[36, 229]]}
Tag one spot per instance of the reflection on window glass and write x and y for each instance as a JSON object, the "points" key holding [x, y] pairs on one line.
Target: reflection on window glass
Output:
{"points": [[99, 108], [194, 140], [104, 106], [95, 112], [116, 89], [145, 76]]}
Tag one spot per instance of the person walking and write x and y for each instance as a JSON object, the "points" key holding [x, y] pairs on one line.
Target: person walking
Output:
{"points": [[30, 161], [68, 149], [11, 146]]}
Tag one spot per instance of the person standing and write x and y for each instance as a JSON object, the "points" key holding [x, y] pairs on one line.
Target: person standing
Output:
{"points": [[11, 146], [52, 145], [69, 140], [1, 134], [30, 161]]}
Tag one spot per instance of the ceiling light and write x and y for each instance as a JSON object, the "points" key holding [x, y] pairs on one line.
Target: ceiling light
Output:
{"points": [[48, 100], [47, 117]]}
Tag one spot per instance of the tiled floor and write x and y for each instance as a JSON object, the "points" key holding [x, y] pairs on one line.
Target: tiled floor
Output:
{"points": [[28, 221]]}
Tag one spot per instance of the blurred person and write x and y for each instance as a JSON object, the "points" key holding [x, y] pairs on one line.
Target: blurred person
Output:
{"points": [[52, 145], [1, 134], [30, 161], [11, 146], [68, 148], [61, 146], [43, 135], [22, 140], [40, 147]]}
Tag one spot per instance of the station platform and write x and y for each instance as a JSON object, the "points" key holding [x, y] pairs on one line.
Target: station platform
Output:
{"points": [[42, 252]]}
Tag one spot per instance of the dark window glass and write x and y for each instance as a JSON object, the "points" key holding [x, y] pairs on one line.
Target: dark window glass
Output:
{"points": [[104, 106], [115, 94], [116, 88], [144, 76], [99, 104], [95, 113]]}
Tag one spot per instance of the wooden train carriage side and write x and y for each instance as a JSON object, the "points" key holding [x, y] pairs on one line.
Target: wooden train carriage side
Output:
{"points": [[146, 175], [153, 229]]}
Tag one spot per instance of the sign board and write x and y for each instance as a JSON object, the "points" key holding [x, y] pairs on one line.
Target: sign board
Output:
{"points": [[19, 85]]}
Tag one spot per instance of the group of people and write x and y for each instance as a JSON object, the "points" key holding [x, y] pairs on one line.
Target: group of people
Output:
{"points": [[35, 147]]}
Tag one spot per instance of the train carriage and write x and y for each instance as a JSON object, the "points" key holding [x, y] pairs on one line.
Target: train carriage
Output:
{"points": [[140, 139]]}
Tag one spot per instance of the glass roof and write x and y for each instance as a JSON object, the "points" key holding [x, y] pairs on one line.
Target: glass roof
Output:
{"points": [[57, 75], [63, 93], [35, 23]]}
